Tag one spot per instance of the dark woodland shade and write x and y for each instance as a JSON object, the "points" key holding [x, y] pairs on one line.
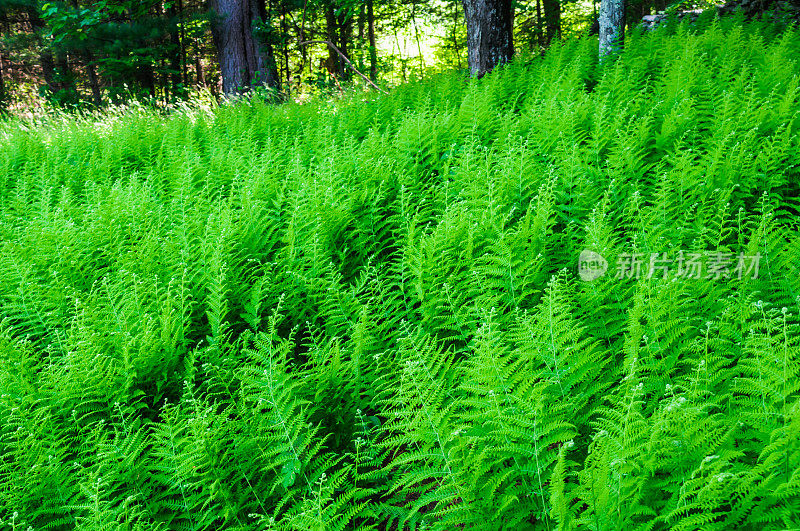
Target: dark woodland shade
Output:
{"points": [[489, 34]]}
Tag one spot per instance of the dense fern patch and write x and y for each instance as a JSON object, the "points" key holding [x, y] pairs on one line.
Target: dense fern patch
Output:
{"points": [[368, 314]]}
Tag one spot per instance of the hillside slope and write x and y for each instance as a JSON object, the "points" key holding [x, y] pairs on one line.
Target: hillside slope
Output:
{"points": [[371, 313]]}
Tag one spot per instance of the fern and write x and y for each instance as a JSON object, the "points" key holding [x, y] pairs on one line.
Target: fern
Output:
{"points": [[366, 313]]}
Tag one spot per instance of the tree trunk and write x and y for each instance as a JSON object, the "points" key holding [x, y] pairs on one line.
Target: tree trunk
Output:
{"points": [[455, 34], [333, 63], [419, 45], [552, 20], [362, 15], [176, 56], [301, 37], [46, 60], [49, 72], [285, 31], [229, 40], [373, 51], [3, 96], [94, 82], [244, 60], [148, 77], [611, 20], [182, 38], [198, 65], [266, 65], [67, 78], [539, 32], [489, 34], [400, 54], [345, 24]]}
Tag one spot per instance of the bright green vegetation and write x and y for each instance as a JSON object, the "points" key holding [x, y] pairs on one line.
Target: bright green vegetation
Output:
{"points": [[367, 313]]}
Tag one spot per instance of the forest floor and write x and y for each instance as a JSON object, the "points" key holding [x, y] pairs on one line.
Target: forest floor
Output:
{"points": [[564, 296]]}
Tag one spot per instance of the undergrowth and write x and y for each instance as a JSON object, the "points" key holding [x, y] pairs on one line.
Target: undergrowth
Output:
{"points": [[368, 314]]}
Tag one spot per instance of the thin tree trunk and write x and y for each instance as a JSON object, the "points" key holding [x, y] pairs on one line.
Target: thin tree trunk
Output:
{"points": [[333, 63], [148, 78], [416, 36], [345, 24], [284, 31], [65, 80], [612, 29], [301, 33], [400, 54], [49, 72], [455, 34], [489, 34], [595, 27], [94, 82], [362, 15], [552, 20], [198, 65], [539, 32], [266, 65], [182, 38], [3, 96], [176, 55], [373, 51], [46, 60]]}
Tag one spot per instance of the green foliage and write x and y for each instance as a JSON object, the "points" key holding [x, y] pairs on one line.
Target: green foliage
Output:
{"points": [[366, 313], [127, 42]]}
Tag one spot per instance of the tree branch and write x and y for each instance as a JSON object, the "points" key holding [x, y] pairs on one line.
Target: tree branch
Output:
{"points": [[346, 60]]}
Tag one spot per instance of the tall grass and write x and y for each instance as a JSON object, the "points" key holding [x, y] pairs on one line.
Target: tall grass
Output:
{"points": [[367, 314]]}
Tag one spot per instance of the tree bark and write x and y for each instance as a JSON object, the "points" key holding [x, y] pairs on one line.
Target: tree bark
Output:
{"points": [[285, 31], [176, 56], [489, 34], [552, 20], [182, 37], [611, 20], [455, 34], [419, 45], [200, 76], [94, 82], [362, 15], [229, 40], [244, 61], [49, 72], [333, 64], [3, 96], [373, 51], [539, 31], [266, 72], [345, 24]]}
